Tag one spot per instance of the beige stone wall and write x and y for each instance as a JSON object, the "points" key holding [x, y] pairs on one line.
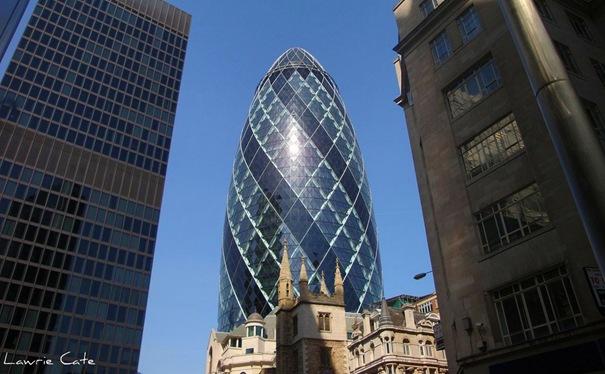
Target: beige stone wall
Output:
{"points": [[464, 274]]}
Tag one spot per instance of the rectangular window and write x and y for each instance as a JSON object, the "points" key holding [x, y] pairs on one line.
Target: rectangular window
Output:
{"points": [[249, 351], [543, 9], [599, 68], [326, 357], [441, 48], [468, 24], [425, 307], [579, 25], [596, 119], [428, 6], [492, 146], [473, 87], [512, 218], [567, 57], [538, 306], [324, 321]]}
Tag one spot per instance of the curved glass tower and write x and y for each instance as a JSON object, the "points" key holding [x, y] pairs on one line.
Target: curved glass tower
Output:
{"points": [[298, 177]]}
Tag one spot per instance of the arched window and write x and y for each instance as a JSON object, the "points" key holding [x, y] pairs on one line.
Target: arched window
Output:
{"points": [[421, 346], [372, 351], [406, 347], [387, 345], [428, 348]]}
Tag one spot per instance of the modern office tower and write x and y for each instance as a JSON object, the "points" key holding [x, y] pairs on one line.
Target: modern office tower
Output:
{"points": [[516, 277], [87, 110], [298, 177], [11, 12]]}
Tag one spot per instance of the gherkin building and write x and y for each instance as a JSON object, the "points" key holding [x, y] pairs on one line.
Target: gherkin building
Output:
{"points": [[298, 178]]}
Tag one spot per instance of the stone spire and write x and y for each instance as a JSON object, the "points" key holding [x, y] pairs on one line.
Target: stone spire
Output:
{"points": [[285, 291], [339, 289], [303, 280], [323, 289], [385, 316]]}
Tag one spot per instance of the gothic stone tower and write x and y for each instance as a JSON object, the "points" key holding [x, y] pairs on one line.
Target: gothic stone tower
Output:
{"points": [[311, 329]]}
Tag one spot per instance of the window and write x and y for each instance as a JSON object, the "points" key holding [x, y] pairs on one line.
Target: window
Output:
{"points": [[326, 357], [492, 146], [599, 68], [537, 306], [249, 351], [406, 347], [473, 87], [324, 321], [543, 9], [512, 218], [579, 25], [441, 48], [427, 6], [567, 57], [468, 24], [235, 342], [294, 326], [255, 331], [425, 307], [595, 117], [428, 349]]}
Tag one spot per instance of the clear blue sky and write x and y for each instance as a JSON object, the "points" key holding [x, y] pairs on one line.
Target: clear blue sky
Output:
{"points": [[232, 45]]}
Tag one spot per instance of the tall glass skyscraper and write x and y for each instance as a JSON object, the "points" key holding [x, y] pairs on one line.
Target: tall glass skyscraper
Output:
{"points": [[11, 12], [87, 108], [298, 177]]}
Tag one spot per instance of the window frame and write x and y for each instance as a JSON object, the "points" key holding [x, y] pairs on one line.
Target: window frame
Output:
{"points": [[544, 286], [323, 321], [491, 148], [567, 57], [491, 219], [441, 40], [580, 26], [462, 22], [470, 80]]}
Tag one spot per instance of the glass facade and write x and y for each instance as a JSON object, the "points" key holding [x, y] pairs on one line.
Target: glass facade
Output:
{"points": [[11, 12], [298, 176], [87, 108]]}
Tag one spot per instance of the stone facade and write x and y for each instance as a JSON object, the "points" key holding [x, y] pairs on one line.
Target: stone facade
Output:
{"points": [[481, 154], [395, 341], [249, 348], [312, 334]]}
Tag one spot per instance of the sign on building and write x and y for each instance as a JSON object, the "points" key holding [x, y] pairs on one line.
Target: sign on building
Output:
{"points": [[597, 284], [439, 342]]}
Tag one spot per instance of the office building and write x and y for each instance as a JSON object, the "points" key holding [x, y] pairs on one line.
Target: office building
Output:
{"points": [[515, 274], [87, 108], [11, 12], [298, 177]]}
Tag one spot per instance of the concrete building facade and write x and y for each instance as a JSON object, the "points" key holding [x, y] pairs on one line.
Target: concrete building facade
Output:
{"points": [[511, 261]]}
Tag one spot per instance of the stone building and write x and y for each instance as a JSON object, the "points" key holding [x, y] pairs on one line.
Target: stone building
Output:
{"points": [[311, 333], [511, 260], [249, 348], [397, 340], [311, 328]]}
